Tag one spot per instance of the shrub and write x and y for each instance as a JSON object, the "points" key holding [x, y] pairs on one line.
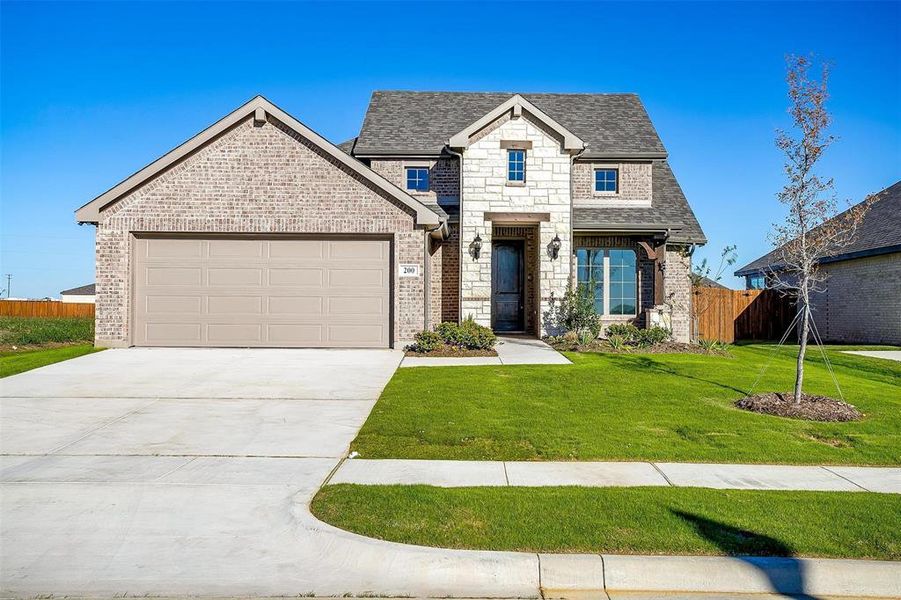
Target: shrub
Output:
{"points": [[570, 338], [710, 345], [627, 331], [653, 335], [642, 338], [426, 341], [468, 334], [575, 312], [617, 342]]}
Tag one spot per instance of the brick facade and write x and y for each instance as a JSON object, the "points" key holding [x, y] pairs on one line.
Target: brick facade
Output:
{"points": [[254, 179], [861, 304], [444, 176], [677, 291], [635, 183]]}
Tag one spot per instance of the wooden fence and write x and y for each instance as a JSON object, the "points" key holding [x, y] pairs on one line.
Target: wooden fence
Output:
{"points": [[734, 315], [45, 308]]}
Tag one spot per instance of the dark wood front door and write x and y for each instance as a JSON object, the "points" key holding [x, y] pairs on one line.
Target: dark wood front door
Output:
{"points": [[507, 285]]}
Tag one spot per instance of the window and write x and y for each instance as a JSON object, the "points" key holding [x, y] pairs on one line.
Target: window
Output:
{"points": [[516, 165], [755, 282], [606, 180], [417, 179], [612, 278]]}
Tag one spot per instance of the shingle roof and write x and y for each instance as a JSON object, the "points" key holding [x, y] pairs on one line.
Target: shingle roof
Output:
{"points": [[612, 125], [347, 146], [85, 290], [669, 210], [879, 232]]}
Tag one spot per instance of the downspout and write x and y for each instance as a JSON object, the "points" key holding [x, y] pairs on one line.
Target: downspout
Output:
{"points": [[459, 156], [572, 234], [427, 275]]}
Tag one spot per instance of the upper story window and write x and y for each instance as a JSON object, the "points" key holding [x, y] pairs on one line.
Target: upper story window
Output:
{"points": [[606, 180], [516, 166], [610, 277], [755, 282], [417, 179]]}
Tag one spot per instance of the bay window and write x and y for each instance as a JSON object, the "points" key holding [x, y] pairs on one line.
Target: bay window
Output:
{"points": [[611, 277]]}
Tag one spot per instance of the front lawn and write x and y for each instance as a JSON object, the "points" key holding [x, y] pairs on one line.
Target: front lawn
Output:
{"points": [[659, 407], [13, 363], [622, 520]]}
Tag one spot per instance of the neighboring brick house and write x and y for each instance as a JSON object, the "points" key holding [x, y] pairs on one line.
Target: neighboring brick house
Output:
{"points": [[861, 302], [259, 232]]}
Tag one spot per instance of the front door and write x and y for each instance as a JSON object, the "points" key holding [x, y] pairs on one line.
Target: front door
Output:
{"points": [[507, 285]]}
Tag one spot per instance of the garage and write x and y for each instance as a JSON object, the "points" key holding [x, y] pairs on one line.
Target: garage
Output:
{"points": [[238, 291]]}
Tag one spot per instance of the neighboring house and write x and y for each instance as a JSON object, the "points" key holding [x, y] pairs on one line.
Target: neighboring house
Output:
{"points": [[259, 232], [862, 299], [84, 293], [710, 283]]}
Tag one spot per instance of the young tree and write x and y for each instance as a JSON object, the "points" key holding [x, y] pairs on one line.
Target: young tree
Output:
{"points": [[811, 229]]}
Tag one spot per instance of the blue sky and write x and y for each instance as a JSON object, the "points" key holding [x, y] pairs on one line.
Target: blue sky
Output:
{"points": [[89, 93]]}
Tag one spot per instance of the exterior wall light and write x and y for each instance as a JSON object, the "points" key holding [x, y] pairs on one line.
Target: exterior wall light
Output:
{"points": [[555, 247], [476, 247]]}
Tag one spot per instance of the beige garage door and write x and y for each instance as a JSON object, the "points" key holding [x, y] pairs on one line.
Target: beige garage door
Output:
{"points": [[261, 292]]}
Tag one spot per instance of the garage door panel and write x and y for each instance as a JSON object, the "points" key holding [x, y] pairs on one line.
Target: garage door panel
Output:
{"points": [[263, 292], [173, 304], [173, 333], [175, 248], [364, 335], [308, 306], [222, 305], [356, 305], [172, 276], [296, 334], [355, 250], [233, 277], [297, 249], [235, 248], [356, 278], [306, 277]]}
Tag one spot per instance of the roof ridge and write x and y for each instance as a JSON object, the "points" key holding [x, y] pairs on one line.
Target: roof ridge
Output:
{"points": [[503, 92]]}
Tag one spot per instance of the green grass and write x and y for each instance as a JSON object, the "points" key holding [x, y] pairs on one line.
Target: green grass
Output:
{"points": [[13, 363], [676, 407], [34, 331], [622, 520]]}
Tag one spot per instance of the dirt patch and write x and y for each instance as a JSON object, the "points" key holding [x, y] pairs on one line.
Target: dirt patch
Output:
{"points": [[662, 348], [811, 408], [451, 352]]}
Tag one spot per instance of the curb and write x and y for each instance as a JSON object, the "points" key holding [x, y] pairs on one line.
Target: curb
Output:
{"points": [[702, 574]]}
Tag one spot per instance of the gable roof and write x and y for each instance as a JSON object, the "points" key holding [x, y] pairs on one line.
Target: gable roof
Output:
{"points": [[259, 107], [516, 103], [878, 233], [421, 123], [669, 210], [84, 290]]}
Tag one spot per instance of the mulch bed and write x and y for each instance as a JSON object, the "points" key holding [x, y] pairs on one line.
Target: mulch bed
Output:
{"points": [[811, 408], [662, 348], [451, 352]]}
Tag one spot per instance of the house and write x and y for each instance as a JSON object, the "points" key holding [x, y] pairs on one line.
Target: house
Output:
{"points": [[710, 283], [260, 232], [861, 302], [84, 293]]}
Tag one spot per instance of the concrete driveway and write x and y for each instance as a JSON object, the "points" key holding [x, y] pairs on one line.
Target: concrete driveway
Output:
{"points": [[185, 471]]}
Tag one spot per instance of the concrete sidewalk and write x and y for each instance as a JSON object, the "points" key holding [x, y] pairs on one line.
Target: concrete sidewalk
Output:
{"points": [[450, 473], [883, 354], [511, 350]]}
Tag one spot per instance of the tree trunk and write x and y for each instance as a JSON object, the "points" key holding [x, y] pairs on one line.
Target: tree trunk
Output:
{"points": [[802, 349]]}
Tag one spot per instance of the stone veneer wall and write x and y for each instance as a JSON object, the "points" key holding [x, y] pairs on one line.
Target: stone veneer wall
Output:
{"points": [[485, 189], [862, 301], [635, 183], [252, 179], [677, 291]]}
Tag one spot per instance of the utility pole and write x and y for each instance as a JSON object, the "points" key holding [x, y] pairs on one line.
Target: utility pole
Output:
{"points": [[8, 277]]}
